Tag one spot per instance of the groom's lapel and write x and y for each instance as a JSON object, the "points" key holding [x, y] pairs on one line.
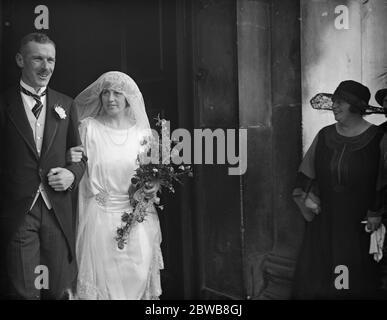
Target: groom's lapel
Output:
{"points": [[51, 124], [18, 116]]}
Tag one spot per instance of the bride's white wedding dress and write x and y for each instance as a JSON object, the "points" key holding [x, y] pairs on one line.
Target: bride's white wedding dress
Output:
{"points": [[105, 271]]}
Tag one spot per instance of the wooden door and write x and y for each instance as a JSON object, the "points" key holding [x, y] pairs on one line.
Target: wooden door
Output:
{"points": [[219, 220], [247, 75]]}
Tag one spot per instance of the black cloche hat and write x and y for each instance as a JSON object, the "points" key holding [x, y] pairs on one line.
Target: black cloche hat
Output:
{"points": [[351, 91], [379, 96]]}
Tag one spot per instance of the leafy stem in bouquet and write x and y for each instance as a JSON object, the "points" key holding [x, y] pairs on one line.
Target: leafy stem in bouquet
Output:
{"points": [[154, 167]]}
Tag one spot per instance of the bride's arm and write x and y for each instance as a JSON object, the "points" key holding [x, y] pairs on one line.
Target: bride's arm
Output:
{"points": [[77, 153]]}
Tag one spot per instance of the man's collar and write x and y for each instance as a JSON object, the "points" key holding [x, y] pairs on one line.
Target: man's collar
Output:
{"points": [[30, 89]]}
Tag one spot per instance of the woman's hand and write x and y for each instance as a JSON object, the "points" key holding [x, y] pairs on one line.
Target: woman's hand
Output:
{"points": [[74, 154], [150, 189], [373, 223], [312, 202]]}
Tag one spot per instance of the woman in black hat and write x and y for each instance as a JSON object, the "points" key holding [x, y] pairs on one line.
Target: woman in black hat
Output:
{"points": [[336, 191]]}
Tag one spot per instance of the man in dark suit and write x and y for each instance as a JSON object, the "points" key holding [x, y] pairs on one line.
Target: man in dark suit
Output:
{"points": [[37, 126]]}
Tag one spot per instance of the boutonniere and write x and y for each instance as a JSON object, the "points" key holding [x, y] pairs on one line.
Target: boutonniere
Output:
{"points": [[60, 111]]}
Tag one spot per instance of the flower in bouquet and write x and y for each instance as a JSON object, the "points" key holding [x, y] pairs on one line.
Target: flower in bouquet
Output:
{"points": [[154, 167]]}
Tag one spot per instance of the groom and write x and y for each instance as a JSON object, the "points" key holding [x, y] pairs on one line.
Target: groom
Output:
{"points": [[37, 126]]}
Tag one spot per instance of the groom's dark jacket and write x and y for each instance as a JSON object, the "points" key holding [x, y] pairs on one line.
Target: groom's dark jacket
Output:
{"points": [[21, 168]]}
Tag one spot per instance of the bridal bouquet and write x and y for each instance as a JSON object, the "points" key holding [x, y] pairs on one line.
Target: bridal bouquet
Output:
{"points": [[154, 166]]}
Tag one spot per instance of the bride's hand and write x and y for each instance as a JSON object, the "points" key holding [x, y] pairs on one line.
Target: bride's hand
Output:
{"points": [[74, 154], [312, 202], [150, 189]]}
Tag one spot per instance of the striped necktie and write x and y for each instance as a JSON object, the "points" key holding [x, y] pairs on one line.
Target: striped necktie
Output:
{"points": [[38, 105]]}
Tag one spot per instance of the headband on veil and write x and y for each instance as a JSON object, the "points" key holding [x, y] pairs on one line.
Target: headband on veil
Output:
{"points": [[88, 102]]}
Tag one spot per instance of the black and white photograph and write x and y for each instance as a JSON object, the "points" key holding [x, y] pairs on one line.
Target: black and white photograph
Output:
{"points": [[193, 150]]}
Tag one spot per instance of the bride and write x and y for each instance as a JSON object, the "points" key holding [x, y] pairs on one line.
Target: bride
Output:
{"points": [[113, 123]]}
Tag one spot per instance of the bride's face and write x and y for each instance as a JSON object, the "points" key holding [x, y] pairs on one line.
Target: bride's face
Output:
{"points": [[113, 102]]}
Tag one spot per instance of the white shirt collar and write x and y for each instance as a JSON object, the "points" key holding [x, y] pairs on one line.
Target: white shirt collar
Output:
{"points": [[30, 89]]}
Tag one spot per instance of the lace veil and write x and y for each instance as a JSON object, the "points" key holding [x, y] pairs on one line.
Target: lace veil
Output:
{"points": [[89, 104]]}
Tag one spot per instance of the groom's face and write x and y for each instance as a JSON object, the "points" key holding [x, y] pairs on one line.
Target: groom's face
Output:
{"points": [[37, 61]]}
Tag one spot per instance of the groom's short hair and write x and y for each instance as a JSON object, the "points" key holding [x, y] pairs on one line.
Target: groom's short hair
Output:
{"points": [[35, 37]]}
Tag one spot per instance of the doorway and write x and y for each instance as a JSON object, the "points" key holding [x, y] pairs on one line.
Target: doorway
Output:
{"points": [[92, 37]]}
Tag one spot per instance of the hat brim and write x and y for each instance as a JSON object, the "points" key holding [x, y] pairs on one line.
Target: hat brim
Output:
{"points": [[323, 101], [379, 96]]}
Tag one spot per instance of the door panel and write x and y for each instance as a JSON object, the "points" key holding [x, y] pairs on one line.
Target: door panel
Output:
{"points": [[218, 215], [247, 76]]}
